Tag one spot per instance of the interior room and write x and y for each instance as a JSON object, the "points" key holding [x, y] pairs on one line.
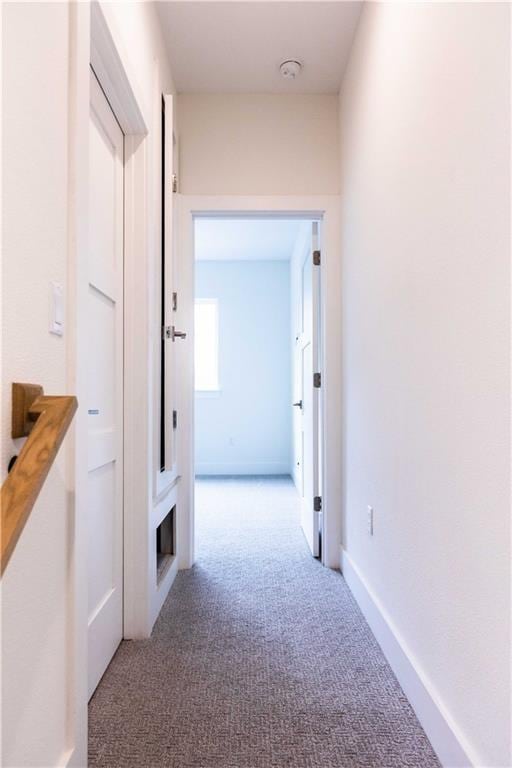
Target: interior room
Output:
{"points": [[251, 326]]}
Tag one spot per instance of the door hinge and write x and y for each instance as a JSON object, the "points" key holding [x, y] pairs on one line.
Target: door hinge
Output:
{"points": [[317, 504], [174, 301], [174, 182], [175, 419], [317, 380], [316, 258]]}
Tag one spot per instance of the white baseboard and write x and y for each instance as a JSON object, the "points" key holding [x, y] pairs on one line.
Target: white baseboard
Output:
{"points": [[445, 736], [74, 758], [243, 468]]}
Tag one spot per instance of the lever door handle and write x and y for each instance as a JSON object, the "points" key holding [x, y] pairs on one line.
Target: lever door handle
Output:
{"points": [[298, 405], [177, 334]]}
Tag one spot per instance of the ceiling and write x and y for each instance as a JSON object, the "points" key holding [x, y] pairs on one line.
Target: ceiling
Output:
{"points": [[237, 47], [224, 239]]}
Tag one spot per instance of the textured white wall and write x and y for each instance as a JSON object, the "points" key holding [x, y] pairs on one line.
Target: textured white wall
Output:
{"points": [[36, 615], [258, 144], [425, 156]]}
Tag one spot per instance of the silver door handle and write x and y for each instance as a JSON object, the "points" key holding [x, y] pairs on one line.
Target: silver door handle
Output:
{"points": [[298, 405], [177, 334]]}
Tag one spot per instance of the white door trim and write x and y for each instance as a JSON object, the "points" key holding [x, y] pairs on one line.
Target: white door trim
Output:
{"points": [[118, 85], [327, 208], [76, 345]]}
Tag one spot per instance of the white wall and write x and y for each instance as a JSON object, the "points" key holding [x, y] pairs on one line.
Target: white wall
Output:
{"points": [[46, 51], [245, 428], [37, 618], [425, 157], [258, 144]]}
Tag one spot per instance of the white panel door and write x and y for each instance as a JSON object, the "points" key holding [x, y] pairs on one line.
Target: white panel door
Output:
{"points": [[105, 385], [309, 365], [170, 308]]}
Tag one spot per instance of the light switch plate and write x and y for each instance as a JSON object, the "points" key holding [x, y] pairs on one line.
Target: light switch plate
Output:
{"points": [[56, 309]]}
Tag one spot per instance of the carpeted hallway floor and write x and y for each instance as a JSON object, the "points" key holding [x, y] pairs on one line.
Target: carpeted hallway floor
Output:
{"points": [[260, 658]]}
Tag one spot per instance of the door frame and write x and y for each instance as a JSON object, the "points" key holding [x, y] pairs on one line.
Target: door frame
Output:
{"points": [[327, 209], [119, 83]]}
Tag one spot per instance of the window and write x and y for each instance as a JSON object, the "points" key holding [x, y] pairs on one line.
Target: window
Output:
{"points": [[206, 345]]}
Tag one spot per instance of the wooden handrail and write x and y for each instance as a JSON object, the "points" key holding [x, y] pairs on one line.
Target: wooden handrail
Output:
{"points": [[45, 419]]}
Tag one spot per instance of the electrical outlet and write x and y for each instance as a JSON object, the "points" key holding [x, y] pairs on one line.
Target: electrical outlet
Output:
{"points": [[370, 520]]}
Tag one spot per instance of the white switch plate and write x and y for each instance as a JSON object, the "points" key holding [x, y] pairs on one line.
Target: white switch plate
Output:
{"points": [[56, 309], [370, 521]]}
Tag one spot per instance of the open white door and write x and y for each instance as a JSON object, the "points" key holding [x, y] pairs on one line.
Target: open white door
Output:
{"points": [[309, 356], [169, 294], [105, 385]]}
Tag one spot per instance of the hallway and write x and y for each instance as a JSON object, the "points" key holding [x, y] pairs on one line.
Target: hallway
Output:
{"points": [[260, 657]]}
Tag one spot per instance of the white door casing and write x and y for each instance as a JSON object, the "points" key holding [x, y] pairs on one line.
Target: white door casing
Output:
{"points": [[105, 385]]}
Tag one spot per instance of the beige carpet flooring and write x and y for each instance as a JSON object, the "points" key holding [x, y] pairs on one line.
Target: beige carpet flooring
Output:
{"points": [[260, 658]]}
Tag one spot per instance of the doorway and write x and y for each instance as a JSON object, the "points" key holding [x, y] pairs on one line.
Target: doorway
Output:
{"points": [[257, 359], [323, 208]]}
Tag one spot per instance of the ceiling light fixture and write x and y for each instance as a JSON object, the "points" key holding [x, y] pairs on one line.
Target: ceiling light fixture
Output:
{"points": [[290, 69]]}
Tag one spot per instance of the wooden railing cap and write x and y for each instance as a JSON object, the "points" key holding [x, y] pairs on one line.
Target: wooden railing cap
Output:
{"points": [[45, 419]]}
